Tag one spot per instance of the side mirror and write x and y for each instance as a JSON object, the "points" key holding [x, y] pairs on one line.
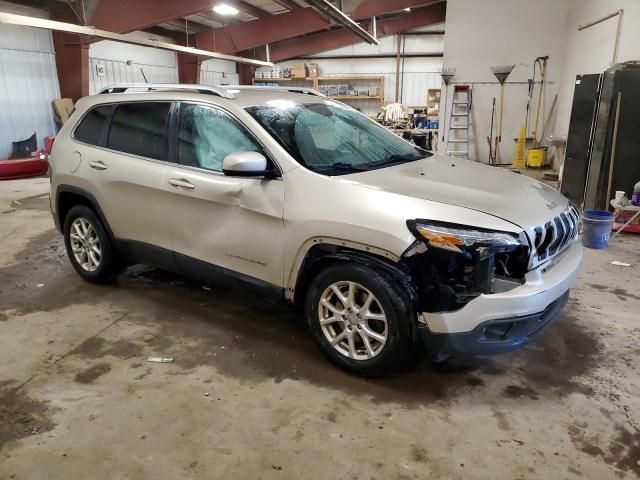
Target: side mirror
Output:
{"points": [[246, 164]]}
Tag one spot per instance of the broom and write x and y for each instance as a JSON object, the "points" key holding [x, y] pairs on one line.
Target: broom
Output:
{"points": [[501, 72], [447, 74]]}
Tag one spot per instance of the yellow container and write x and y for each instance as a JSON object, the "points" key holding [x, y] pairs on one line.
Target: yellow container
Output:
{"points": [[536, 157]]}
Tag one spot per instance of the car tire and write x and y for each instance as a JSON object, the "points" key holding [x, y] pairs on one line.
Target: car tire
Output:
{"points": [[88, 246], [328, 298]]}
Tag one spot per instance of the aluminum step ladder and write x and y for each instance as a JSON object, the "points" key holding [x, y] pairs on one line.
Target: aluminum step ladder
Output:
{"points": [[459, 122]]}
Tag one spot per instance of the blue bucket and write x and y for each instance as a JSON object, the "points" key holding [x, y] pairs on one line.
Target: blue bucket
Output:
{"points": [[597, 228]]}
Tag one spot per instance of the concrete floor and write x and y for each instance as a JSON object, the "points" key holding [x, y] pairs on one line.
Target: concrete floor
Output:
{"points": [[249, 396]]}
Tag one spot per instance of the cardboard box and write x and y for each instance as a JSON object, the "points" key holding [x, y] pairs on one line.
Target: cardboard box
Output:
{"points": [[258, 74], [374, 91], [266, 74], [298, 70]]}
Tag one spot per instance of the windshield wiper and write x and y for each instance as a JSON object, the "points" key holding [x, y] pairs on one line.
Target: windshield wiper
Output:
{"points": [[341, 167], [397, 159]]}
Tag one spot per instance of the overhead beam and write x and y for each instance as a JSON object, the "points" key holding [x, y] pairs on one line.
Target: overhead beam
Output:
{"points": [[288, 4], [339, 16], [34, 22], [372, 8], [323, 41], [252, 34], [122, 16], [248, 8]]}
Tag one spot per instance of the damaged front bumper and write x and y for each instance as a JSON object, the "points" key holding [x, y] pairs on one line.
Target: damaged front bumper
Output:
{"points": [[494, 323]]}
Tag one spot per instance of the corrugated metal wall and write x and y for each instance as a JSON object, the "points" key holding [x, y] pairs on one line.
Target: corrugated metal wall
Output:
{"points": [[117, 71], [28, 83], [219, 72], [210, 77]]}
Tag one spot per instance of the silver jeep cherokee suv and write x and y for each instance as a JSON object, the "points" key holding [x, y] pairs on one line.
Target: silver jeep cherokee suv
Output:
{"points": [[387, 247]]}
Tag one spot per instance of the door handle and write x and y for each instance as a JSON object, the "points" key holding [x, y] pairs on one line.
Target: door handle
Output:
{"points": [[97, 165], [181, 183]]}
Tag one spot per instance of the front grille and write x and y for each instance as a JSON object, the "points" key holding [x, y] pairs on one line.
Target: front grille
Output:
{"points": [[554, 236]]}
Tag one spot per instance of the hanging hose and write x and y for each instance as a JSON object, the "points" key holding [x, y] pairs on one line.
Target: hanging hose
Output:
{"points": [[543, 72]]}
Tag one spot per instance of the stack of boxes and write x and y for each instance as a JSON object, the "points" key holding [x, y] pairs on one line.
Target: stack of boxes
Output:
{"points": [[297, 70]]}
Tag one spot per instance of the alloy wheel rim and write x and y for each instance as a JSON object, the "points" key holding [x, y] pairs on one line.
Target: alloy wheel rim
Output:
{"points": [[85, 244], [352, 320]]}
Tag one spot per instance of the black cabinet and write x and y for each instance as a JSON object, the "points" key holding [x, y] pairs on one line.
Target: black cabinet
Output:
{"points": [[580, 137], [605, 139]]}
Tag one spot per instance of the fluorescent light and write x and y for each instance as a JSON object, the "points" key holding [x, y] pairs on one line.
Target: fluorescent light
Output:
{"points": [[407, 9], [224, 9]]}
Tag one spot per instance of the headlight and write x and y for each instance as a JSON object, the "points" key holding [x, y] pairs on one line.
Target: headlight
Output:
{"points": [[454, 238]]}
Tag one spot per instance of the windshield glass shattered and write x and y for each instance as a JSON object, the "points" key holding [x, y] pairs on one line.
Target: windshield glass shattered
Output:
{"points": [[333, 139]]}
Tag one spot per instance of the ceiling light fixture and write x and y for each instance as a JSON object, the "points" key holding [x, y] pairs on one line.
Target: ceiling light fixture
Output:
{"points": [[407, 9], [224, 9]]}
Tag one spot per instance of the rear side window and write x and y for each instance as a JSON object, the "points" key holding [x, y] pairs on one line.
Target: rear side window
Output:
{"points": [[139, 129], [92, 123]]}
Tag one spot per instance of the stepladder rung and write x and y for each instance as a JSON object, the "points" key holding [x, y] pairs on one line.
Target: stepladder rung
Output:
{"points": [[461, 109]]}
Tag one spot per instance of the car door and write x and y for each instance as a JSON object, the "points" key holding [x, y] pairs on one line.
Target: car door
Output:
{"points": [[127, 175], [222, 227]]}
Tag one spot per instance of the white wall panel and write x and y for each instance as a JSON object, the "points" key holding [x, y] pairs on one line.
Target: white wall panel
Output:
{"points": [[116, 71], [123, 62], [28, 81], [484, 34], [591, 50], [219, 72]]}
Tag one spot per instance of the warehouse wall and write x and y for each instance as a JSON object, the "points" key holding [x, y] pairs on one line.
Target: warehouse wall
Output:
{"points": [[591, 50], [28, 81], [219, 72], [484, 34], [122, 62], [420, 74]]}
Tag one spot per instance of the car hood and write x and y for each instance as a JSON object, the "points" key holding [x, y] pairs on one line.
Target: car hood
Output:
{"points": [[511, 196]]}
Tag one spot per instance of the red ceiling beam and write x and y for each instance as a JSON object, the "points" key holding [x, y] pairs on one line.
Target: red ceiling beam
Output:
{"points": [[248, 35], [288, 4], [122, 16], [320, 42], [372, 8], [248, 8]]}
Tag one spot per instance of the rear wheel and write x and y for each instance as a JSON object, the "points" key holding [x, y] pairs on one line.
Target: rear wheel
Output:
{"points": [[361, 319], [88, 246]]}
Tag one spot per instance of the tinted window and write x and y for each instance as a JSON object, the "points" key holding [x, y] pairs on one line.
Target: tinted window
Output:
{"points": [[90, 127], [139, 129], [207, 135]]}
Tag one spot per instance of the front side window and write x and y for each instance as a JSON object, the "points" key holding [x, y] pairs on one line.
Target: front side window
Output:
{"points": [[207, 135], [333, 139], [90, 128], [140, 129]]}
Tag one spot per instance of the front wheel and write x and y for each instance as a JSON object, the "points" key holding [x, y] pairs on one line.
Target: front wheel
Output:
{"points": [[361, 319]]}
